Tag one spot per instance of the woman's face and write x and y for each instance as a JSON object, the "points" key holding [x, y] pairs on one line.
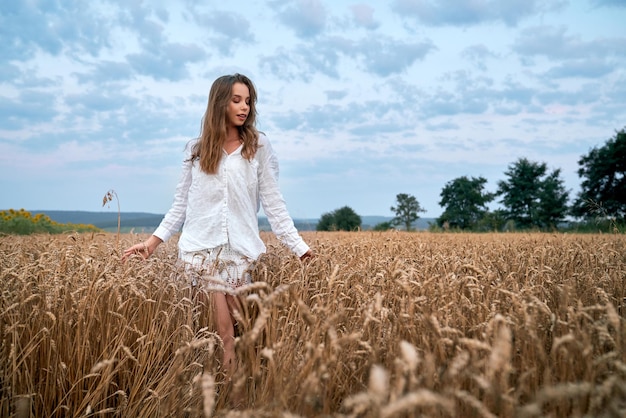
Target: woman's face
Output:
{"points": [[238, 106]]}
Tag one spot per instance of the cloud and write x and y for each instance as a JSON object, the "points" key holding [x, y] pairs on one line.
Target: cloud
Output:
{"points": [[516, 92], [146, 22], [478, 55], [317, 119], [97, 101], [28, 106], [307, 18], [592, 68], [617, 92], [384, 56], [380, 55], [106, 71], [168, 62], [609, 3], [26, 27], [466, 95], [467, 13], [9, 72], [20, 44], [335, 94], [371, 129], [363, 15], [442, 126], [149, 33], [231, 29], [553, 43], [448, 104], [303, 62], [585, 94]]}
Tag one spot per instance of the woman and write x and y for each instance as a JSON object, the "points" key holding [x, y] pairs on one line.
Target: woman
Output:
{"points": [[229, 170]]}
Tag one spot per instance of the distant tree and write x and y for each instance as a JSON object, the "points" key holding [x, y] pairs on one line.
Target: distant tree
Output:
{"points": [[406, 211], [603, 171], [530, 197], [383, 226], [342, 219], [520, 194], [464, 201], [553, 199], [492, 221], [327, 222]]}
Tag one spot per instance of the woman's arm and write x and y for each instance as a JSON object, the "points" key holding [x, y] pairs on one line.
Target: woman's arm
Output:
{"points": [[173, 219], [274, 204]]}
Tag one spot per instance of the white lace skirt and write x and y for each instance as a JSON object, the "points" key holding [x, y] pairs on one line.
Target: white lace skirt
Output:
{"points": [[220, 264]]}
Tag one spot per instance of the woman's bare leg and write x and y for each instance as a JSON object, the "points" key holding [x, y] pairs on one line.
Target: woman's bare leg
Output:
{"points": [[226, 331], [224, 306]]}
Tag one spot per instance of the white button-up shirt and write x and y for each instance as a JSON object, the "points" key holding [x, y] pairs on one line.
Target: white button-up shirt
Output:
{"points": [[221, 208]]}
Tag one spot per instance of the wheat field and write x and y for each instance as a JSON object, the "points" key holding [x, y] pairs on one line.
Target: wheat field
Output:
{"points": [[386, 324]]}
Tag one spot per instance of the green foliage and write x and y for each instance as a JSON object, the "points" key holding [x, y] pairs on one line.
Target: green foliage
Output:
{"points": [[492, 221], [465, 203], [595, 226], [553, 198], [406, 210], [326, 222], [604, 172], [21, 222], [383, 226], [342, 219], [532, 198], [521, 192], [602, 222]]}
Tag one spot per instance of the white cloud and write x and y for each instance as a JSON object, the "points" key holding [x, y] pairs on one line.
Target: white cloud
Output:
{"points": [[554, 43], [463, 12], [609, 3], [306, 18], [363, 15]]}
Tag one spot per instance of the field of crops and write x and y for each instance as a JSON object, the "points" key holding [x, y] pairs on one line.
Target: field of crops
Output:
{"points": [[386, 324]]}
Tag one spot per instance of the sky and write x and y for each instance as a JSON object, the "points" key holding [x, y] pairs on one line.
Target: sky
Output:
{"points": [[361, 100]]}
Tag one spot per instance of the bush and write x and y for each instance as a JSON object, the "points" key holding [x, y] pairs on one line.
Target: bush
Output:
{"points": [[383, 226], [21, 222], [342, 219]]}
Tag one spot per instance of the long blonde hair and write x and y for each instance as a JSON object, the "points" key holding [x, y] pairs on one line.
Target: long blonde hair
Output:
{"points": [[208, 148]]}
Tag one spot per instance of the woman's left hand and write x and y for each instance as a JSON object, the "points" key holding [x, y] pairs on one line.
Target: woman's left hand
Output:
{"points": [[144, 249], [309, 254], [139, 249]]}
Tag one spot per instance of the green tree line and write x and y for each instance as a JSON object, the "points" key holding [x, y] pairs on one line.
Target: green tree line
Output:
{"points": [[532, 197]]}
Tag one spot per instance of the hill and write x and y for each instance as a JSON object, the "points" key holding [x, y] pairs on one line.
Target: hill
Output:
{"points": [[368, 222], [148, 222], [105, 220]]}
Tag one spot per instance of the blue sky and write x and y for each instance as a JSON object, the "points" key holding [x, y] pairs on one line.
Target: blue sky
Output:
{"points": [[362, 100]]}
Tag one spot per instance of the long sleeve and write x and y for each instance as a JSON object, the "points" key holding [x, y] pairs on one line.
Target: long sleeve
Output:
{"points": [[175, 217], [274, 204]]}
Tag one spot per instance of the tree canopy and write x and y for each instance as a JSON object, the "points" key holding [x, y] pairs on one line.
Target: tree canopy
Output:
{"points": [[465, 202], [406, 211], [553, 198], [603, 188], [342, 219], [531, 197]]}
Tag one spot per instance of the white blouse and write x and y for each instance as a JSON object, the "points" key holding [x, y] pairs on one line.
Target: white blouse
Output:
{"points": [[221, 208]]}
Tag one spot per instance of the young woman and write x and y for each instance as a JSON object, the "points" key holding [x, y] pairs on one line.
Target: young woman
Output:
{"points": [[228, 171]]}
